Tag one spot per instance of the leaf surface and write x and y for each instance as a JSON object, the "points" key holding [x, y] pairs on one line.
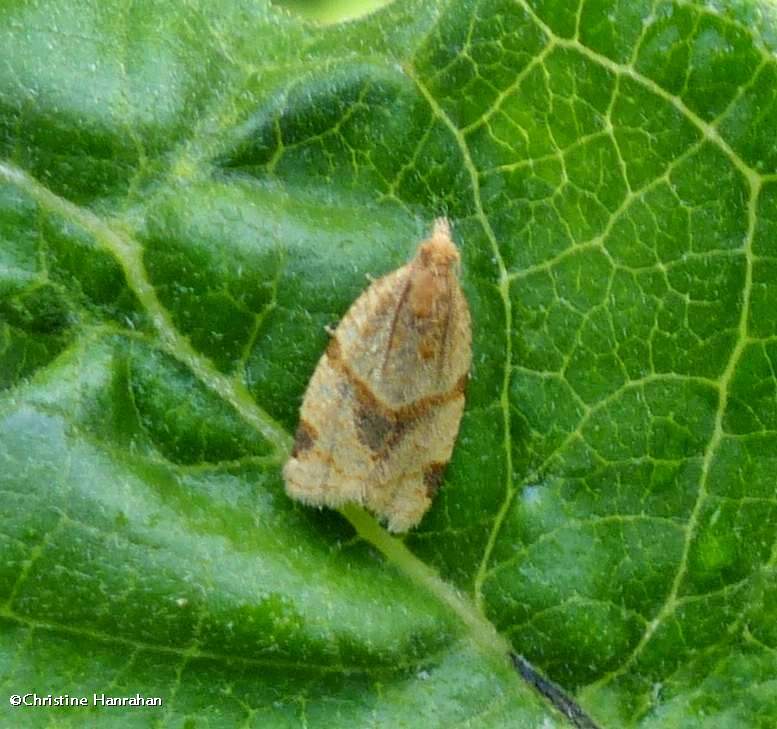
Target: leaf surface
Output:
{"points": [[190, 193]]}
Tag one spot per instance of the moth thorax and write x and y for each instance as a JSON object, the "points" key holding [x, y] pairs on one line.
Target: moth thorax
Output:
{"points": [[438, 253], [429, 293]]}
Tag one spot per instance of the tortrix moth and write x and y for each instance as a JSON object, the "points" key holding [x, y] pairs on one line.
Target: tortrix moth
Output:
{"points": [[381, 413]]}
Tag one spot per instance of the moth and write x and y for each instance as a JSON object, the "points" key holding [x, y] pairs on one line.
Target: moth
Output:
{"points": [[381, 413]]}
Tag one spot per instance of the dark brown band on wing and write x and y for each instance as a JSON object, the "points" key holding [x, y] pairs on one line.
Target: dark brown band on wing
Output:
{"points": [[433, 475], [304, 439], [369, 401]]}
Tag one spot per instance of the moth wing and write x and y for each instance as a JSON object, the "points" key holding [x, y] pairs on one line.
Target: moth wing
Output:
{"points": [[326, 467], [404, 482]]}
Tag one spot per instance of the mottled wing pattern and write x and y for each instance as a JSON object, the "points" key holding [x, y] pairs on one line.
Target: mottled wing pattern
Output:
{"points": [[382, 410]]}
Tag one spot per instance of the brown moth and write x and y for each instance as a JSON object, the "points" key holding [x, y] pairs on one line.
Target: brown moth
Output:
{"points": [[382, 410]]}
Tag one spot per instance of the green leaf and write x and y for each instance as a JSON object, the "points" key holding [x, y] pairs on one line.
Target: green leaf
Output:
{"points": [[190, 193]]}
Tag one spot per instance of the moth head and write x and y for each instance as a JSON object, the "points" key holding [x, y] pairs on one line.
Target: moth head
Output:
{"points": [[438, 252], [434, 268]]}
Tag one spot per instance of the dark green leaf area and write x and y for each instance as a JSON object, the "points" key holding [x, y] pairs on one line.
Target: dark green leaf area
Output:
{"points": [[753, 392], [620, 580], [96, 95], [597, 31], [33, 331], [92, 278], [35, 316], [733, 540], [648, 144], [376, 135], [184, 421], [54, 279], [500, 41], [213, 270], [699, 57], [753, 139]]}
